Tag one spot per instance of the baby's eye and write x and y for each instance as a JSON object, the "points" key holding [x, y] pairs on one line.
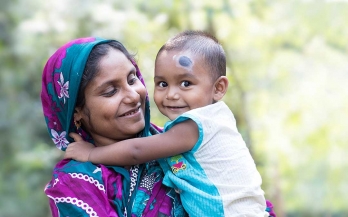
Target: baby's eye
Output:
{"points": [[185, 83], [162, 84]]}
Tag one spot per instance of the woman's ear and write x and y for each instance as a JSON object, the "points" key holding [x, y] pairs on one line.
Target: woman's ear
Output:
{"points": [[220, 88], [77, 114]]}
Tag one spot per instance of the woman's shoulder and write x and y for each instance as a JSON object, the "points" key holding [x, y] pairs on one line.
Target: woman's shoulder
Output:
{"points": [[73, 183]]}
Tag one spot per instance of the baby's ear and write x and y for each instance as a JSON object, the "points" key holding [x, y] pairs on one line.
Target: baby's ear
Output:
{"points": [[220, 88]]}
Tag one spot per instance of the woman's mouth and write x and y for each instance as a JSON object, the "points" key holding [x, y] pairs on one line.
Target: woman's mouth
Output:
{"points": [[131, 112]]}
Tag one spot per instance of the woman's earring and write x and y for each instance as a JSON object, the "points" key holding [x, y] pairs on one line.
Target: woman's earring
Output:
{"points": [[77, 124]]}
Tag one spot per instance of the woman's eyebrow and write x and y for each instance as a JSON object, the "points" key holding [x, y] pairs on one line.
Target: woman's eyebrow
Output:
{"points": [[132, 71]]}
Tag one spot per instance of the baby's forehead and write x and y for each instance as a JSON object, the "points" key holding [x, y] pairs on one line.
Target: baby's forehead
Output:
{"points": [[184, 61], [182, 58], [186, 58]]}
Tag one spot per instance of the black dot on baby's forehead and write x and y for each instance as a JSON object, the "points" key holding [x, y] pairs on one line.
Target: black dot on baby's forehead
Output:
{"points": [[185, 61]]}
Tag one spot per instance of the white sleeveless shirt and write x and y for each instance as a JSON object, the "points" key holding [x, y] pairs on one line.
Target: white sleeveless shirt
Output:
{"points": [[218, 177]]}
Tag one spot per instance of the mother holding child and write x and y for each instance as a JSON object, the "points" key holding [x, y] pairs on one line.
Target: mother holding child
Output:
{"points": [[93, 91]]}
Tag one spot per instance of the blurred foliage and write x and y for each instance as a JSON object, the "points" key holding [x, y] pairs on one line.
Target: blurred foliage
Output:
{"points": [[288, 72]]}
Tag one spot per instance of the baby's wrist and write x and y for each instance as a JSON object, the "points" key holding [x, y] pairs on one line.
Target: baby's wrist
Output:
{"points": [[90, 155]]}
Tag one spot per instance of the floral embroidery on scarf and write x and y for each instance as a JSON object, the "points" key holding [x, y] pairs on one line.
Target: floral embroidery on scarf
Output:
{"points": [[64, 87], [59, 139]]}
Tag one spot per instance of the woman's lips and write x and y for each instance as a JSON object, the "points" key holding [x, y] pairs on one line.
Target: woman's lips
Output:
{"points": [[131, 112]]}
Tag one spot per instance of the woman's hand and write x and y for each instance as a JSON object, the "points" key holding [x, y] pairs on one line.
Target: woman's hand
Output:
{"points": [[78, 150]]}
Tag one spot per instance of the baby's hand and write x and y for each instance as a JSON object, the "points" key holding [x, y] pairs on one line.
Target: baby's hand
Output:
{"points": [[78, 150]]}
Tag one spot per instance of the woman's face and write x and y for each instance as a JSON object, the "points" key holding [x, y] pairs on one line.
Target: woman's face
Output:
{"points": [[115, 101]]}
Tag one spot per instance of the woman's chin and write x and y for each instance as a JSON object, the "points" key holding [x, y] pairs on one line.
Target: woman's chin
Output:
{"points": [[134, 129]]}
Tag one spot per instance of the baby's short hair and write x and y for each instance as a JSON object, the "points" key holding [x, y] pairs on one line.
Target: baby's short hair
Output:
{"points": [[202, 44]]}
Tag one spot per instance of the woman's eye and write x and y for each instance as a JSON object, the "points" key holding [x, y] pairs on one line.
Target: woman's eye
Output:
{"points": [[185, 83], [162, 84], [110, 92], [132, 79]]}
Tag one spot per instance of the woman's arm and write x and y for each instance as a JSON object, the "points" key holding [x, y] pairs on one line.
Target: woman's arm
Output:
{"points": [[180, 138]]}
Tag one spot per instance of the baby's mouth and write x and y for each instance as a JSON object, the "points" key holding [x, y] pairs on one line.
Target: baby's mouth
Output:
{"points": [[176, 107]]}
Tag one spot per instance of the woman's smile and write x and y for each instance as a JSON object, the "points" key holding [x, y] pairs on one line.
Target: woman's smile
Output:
{"points": [[132, 112]]}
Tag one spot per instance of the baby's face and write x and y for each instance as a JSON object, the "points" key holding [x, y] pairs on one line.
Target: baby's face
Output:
{"points": [[182, 83]]}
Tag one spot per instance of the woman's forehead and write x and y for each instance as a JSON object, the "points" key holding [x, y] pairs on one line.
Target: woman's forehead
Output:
{"points": [[112, 68]]}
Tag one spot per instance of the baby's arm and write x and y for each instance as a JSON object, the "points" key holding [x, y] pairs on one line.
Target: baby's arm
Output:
{"points": [[180, 138]]}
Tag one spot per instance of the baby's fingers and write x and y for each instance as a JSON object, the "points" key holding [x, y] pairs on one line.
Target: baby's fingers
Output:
{"points": [[71, 151], [67, 155], [76, 137]]}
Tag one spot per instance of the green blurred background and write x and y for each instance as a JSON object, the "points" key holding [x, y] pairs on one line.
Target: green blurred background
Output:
{"points": [[288, 71]]}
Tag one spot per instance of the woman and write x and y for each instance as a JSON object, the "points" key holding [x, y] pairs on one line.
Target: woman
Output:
{"points": [[93, 87]]}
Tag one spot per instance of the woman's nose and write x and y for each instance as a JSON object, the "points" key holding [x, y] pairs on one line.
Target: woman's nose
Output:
{"points": [[131, 96]]}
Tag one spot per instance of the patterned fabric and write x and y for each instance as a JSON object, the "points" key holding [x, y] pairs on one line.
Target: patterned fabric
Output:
{"points": [[218, 176], [85, 189]]}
